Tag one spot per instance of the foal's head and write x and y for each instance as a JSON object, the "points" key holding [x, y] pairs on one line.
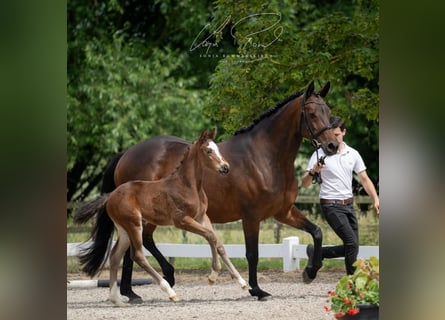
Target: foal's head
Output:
{"points": [[210, 153]]}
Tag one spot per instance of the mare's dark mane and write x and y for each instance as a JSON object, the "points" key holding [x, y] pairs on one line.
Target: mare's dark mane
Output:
{"points": [[269, 112]]}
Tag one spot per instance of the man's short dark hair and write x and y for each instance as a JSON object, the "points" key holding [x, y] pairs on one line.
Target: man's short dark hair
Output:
{"points": [[337, 122]]}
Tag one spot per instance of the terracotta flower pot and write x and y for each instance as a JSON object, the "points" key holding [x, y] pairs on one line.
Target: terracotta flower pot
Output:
{"points": [[367, 312]]}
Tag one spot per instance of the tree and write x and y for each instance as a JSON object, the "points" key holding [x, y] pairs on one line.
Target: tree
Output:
{"points": [[341, 46], [122, 98], [140, 68], [126, 83], [281, 47]]}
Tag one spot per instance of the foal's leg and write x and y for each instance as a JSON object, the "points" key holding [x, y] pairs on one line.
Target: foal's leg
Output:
{"points": [[138, 256], [298, 220], [222, 252], [189, 224], [117, 252], [127, 268]]}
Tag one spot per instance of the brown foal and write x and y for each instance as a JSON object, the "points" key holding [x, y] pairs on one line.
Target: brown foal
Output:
{"points": [[178, 199]]}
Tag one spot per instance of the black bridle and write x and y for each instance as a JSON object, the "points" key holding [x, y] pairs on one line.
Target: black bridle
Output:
{"points": [[317, 177], [314, 136]]}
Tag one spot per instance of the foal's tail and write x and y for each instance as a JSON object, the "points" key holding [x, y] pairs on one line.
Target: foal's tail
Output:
{"points": [[94, 257]]}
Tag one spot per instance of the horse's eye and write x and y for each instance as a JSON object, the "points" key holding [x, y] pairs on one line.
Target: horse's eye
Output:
{"points": [[209, 151], [312, 115]]}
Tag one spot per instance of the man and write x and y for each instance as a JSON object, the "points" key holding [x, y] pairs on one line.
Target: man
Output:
{"points": [[336, 198]]}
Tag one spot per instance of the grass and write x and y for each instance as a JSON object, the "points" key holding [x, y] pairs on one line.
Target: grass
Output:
{"points": [[231, 233]]}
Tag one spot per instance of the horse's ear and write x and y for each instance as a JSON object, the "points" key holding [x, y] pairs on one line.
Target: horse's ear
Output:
{"points": [[203, 136], [324, 91], [309, 89], [212, 134]]}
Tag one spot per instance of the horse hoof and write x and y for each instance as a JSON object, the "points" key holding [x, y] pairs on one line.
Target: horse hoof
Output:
{"points": [[265, 298], [119, 303], [243, 284], [166, 288], [122, 305], [260, 294], [174, 298], [136, 300], [212, 277], [306, 278], [133, 298], [310, 272]]}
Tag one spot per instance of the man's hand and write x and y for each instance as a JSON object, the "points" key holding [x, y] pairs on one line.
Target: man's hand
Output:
{"points": [[315, 172]]}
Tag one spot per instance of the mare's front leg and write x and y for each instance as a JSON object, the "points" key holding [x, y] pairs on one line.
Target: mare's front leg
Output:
{"points": [[127, 268], [298, 220], [251, 230]]}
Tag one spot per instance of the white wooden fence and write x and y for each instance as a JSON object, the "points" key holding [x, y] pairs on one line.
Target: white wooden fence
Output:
{"points": [[291, 251]]}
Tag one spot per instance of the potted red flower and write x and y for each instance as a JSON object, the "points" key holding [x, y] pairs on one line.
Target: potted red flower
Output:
{"points": [[357, 296]]}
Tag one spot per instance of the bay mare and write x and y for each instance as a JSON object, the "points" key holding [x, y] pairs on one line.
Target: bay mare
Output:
{"points": [[178, 199], [262, 182]]}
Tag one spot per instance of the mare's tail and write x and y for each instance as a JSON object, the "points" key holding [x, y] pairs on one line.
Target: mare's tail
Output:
{"points": [[93, 258], [108, 184]]}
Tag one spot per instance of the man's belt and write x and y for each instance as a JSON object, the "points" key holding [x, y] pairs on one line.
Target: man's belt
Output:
{"points": [[337, 201]]}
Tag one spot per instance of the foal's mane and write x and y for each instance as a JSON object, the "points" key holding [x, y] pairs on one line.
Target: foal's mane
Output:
{"points": [[189, 148], [187, 151], [268, 113]]}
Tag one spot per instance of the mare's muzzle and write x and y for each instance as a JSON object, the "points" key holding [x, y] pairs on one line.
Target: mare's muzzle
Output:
{"points": [[329, 149]]}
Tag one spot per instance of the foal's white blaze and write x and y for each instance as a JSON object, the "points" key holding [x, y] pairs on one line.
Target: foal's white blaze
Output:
{"points": [[214, 147]]}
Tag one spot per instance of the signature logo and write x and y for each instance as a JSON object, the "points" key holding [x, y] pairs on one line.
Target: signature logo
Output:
{"points": [[272, 30]]}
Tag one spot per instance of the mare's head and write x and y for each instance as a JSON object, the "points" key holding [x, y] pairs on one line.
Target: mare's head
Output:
{"points": [[315, 117], [210, 152]]}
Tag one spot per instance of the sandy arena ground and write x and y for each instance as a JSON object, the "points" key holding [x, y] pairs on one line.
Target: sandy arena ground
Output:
{"points": [[291, 299]]}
